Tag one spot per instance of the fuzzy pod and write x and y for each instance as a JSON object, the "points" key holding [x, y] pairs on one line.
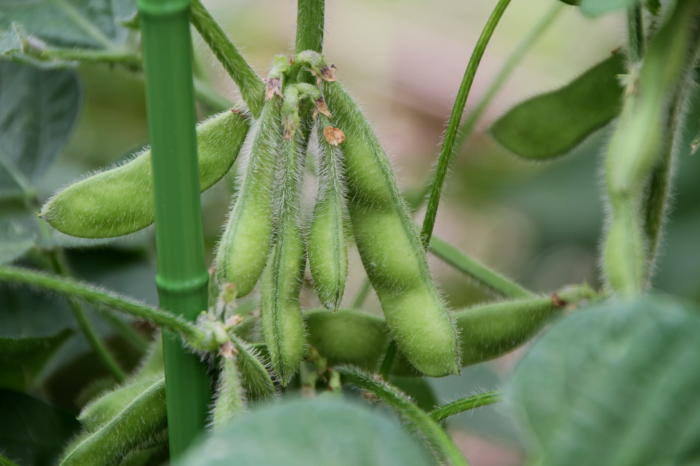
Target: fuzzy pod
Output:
{"points": [[105, 407], [282, 322], [328, 255], [244, 246], [120, 200], [390, 248], [230, 397], [255, 378], [138, 425], [490, 330]]}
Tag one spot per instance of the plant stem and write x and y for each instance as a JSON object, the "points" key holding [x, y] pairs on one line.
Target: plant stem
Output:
{"points": [[251, 86], [310, 25], [482, 274], [92, 294], [210, 97], [513, 60], [416, 417], [59, 266], [111, 56], [125, 330], [453, 123], [635, 33], [464, 404], [362, 294]]}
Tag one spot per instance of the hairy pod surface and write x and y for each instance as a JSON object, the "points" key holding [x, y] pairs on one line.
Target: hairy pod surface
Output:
{"points": [[255, 378], [390, 248], [328, 256], [282, 321], [119, 201], [135, 426], [230, 398], [245, 243], [491, 330]]}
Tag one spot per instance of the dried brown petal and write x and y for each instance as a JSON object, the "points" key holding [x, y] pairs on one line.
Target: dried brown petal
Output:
{"points": [[334, 136]]}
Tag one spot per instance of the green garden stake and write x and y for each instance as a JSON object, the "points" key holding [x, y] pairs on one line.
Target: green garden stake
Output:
{"points": [[182, 277]]}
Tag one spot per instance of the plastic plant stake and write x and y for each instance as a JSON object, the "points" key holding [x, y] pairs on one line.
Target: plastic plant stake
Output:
{"points": [[181, 277]]}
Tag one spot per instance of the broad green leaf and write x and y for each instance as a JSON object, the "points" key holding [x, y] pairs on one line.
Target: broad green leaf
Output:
{"points": [[615, 384], [599, 7], [69, 23], [33, 432], [22, 358], [14, 241], [303, 432], [37, 111], [551, 124]]}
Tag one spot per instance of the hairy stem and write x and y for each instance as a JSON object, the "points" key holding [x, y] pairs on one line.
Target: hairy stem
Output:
{"points": [[251, 86], [416, 417], [635, 33], [448, 143], [464, 404], [310, 25], [73, 288], [59, 266]]}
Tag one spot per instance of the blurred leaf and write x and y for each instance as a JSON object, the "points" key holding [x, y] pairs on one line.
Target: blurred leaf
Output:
{"points": [[22, 358], [14, 241], [28, 313], [69, 23], [4, 461], [598, 7], [33, 432], [309, 432], [37, 111], [614, 384], [551, 124]]}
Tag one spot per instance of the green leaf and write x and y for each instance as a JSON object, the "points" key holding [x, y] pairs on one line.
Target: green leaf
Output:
{"points": [[599, 7], [69, 23], [33, 432], [15, 240], [38, 109], [614, 384], [309, 432], [551, 124], [22, 358]]}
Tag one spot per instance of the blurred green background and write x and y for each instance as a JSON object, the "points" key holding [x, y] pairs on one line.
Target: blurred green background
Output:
{"points": [[403, 61]]}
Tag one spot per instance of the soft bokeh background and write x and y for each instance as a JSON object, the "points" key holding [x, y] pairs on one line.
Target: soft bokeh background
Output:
{"points": [[403, 60]]}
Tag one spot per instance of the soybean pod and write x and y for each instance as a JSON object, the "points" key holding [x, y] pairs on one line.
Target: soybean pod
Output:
{"points": [[492, 329], [138, 425], [245, 243], [119, 201], [282, 322], [328, 257], [230, 398], [389, 246]]}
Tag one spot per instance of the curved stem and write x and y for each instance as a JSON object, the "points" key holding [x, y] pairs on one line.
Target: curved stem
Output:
{"points": [[416, 417], [249, 83], [58, 265], [482, 274], [464, 404], [635, 33], [448, 142], [69, 287]]}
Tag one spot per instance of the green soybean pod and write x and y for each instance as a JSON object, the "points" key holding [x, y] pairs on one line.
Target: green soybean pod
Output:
{"points": [[138, 425], [255, 378], [282, 321], [245, 243], [105, 407], [389, 246], [119, 201], [230, 398], [328, 256]]}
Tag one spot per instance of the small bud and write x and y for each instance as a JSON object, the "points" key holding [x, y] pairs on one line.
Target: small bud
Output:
{"points": [[227, 350], [322, 108], [328, 73], [334, 136], [273, 87]]}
